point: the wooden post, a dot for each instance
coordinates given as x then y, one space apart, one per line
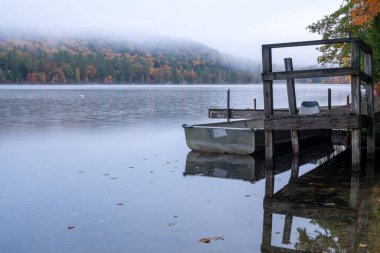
329 98
228 106
295 168
370 109
348 99
254 104
269 135
266 242
292 104
355 106
287 229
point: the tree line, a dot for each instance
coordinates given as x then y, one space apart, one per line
80 61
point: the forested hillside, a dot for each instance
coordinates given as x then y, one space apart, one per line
99 61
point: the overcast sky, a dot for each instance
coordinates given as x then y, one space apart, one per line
236 27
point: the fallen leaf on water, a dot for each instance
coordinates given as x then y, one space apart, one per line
363 245
171 224
113 178
120 204
205 240
70 227
106 174
212 238
247 195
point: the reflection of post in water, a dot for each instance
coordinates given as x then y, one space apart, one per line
341 211
354 189
287 229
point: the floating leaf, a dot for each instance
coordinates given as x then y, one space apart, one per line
363 245
205 240
70 227
212 238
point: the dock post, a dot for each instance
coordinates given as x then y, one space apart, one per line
269 135
370 109
254 104
228 106
329 98
355 106
295 168
348 99
292 101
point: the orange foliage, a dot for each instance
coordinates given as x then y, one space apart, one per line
364 11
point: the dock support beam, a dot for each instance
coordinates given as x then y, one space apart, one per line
269 135
292 101
355 107
370 109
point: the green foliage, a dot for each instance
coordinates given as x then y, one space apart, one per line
339 24
101 62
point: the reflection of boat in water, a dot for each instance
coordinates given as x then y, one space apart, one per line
237 137
222 166
245 167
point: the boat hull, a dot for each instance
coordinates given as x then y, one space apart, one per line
237 137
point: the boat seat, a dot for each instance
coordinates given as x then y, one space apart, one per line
309 107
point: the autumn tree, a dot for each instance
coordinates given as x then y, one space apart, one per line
354 18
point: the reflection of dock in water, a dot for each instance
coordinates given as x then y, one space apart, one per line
324 210
245 167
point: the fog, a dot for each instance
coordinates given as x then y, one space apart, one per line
237 27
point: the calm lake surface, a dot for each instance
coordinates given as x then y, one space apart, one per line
106 169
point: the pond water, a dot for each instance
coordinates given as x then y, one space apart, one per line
106 169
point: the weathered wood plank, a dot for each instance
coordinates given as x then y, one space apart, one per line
370 109
243 113
290 88
268 85
292 102
355 106
310 43
310 73
363 45
219 113
332 121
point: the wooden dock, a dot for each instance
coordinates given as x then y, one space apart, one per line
362 112
352 118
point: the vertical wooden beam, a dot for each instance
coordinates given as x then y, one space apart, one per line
287 229
268 85
348 99
329 98
269 135
228 106
254 104
370 109
266 243
295 168
355 106
292 101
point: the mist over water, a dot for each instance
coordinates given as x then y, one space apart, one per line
236 28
